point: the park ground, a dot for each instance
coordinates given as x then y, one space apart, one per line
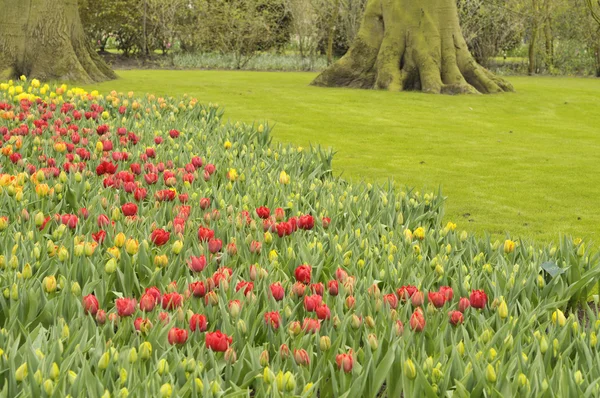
525 163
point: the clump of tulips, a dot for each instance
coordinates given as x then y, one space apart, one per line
148 248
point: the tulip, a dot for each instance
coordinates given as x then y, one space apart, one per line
409 369
417 320
478 299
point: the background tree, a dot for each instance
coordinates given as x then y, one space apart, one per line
45 39
411 45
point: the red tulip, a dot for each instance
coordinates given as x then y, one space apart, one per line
272 319
218 341
456 317
215 245
392 300
333 287
198 289
263 212
303 273
205 234
417 299
90 304
478 299
326 221
311 325
245 286
298 289
198 322
129 209
447 292
323 312
142 324
406 292
437 299
197 264
170 301
463 304
101 317
417 320
204 203
306 222
147 302
345 361
177 336
125 306
301 357
159 237
277 291
279 214
312 302
341 275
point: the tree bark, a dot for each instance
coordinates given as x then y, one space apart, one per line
45 39
532 43
411 45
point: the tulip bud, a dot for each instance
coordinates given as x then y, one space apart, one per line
163 367
409 369
578 377
123 392
543 345
75 289
268 375
503 309
49 284
120 240
166 390
177 247
145 350
21 372
460 348
48 387
133 355
72 376
372 340
325 343
104 361
264 358
558 317
490 374
111 266
54 371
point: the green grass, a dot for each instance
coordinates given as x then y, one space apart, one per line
525 163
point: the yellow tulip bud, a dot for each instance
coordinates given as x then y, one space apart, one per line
21 372
166 390
104 361
145 350
409 369
490 374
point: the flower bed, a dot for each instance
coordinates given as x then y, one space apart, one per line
149 248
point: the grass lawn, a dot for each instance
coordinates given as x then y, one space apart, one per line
527 163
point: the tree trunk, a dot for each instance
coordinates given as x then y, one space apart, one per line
598 60
44 39
532 42
411 45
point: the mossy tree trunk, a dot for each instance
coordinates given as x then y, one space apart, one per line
45 39
411 45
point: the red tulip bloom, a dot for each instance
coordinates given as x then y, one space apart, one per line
447 292
198 289
302 273
198 322
177 336
101 317
341 275
345 361
125 306
272 319
333 287
277 291
391 299
215 245
417 320
263 212
204 203
90 304
99 236
306 222
142 324
478 299
417 299
170 301
197 264
205 234
406 292
103 220
311 325
279 214
298 289
301 357
312 302
323 312
129 209
245 286
456 317
437 299
218 341
463 304
147 302
159 237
